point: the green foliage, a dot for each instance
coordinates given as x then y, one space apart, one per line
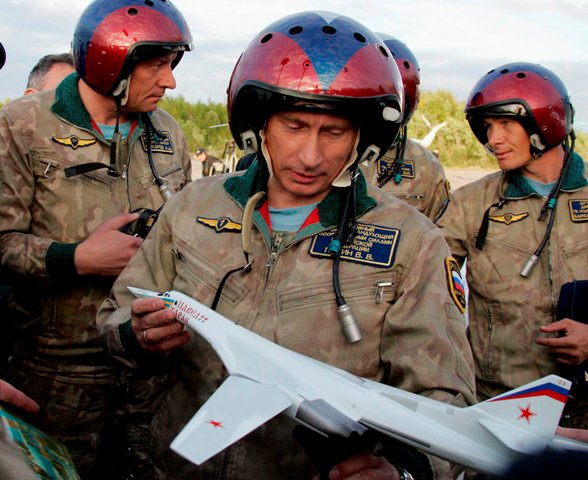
196 120
582 145
455 143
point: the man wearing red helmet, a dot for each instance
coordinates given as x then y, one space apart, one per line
76 162
408 170
292 245
523 231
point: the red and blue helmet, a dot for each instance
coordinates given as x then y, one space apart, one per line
409 71
111 36
322 59
530 93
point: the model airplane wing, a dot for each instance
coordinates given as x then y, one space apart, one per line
267 379
236 408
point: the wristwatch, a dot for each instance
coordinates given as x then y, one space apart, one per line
404 474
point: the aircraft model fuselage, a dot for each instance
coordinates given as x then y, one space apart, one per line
266 379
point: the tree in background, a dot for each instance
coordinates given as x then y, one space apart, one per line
196 119
456 145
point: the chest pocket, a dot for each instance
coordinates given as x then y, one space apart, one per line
374 291
199 276
172 175
49 166
415 199
577 252
307 320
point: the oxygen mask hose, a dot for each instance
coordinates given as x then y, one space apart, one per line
550 206
348 322
149 130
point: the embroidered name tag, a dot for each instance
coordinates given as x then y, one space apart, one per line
372 245
220 224
509 218
74 142
406 169
579 210
455 283
158 144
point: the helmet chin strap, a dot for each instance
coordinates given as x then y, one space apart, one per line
537 146
344 177
266 155
122 90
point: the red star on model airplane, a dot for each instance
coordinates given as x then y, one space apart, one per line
216 424
526 413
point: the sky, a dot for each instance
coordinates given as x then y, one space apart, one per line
455 41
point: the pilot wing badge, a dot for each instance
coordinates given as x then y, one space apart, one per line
222 224
265 379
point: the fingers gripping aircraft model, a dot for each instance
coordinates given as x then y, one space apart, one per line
266 379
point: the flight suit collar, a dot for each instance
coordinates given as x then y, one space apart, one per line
69 106
254 180
68 103
518 187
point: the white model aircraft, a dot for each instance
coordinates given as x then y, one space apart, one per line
266 379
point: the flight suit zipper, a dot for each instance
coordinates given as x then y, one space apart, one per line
276 244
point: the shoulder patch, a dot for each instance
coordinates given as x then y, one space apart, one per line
73 141
509 218
579 210
158 144
220 224
372 245
455 283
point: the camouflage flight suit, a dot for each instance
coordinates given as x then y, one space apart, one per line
505 309
414 334
422 179
59 360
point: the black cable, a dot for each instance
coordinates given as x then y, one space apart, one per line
343 235
551 204
115 141
338 242
148 128
393 170
483 230
221 286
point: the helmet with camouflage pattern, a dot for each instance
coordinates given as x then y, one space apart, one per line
409 71
317 60
530 93
111 36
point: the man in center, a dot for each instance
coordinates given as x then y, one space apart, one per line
301 251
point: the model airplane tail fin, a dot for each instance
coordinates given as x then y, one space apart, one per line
535 408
